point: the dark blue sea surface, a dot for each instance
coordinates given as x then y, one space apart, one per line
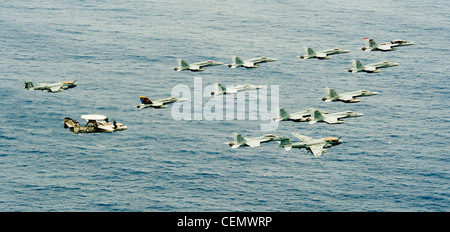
394 158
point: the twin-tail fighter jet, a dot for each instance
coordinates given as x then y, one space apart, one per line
316 146
183 65
310 53
220 89
370 68
371 45
331 118
302 116
239 140
348 97
145 102
95 123
250 63
53 87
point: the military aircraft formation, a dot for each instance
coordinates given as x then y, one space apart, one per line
313 116
99 123
318 146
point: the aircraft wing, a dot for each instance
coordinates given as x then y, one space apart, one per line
248 64
331 119
107 128
302 137
195 67
158 103
384 47
253 143
346 97
317 150
55 89
321 55
371 67
298 115
236 146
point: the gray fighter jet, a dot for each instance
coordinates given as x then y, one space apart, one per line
348 97
183 65
316 146
371 45
302 116
145 102
331 118
95 123
239 140
53 87
220 89
251 63
370 68
310 53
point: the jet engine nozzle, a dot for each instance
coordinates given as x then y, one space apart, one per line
231 143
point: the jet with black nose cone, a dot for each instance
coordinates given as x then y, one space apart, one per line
183 65
316 146
95 123
239 140
250 63
370 68
324 54
52 87
347 97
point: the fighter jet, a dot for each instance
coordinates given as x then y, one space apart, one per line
331 118
316 146
239 140
348 97
95 123
370 68
371 45
251 63
220 89
158 103
302 116
182 65
53 87
310 53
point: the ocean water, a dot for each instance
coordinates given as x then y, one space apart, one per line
395 158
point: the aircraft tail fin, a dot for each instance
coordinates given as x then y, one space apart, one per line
370 43
237 60
145 100
331 93
310 52
357 65
316 116
238 138
219 88
182 63
283 114
286 143
29 85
